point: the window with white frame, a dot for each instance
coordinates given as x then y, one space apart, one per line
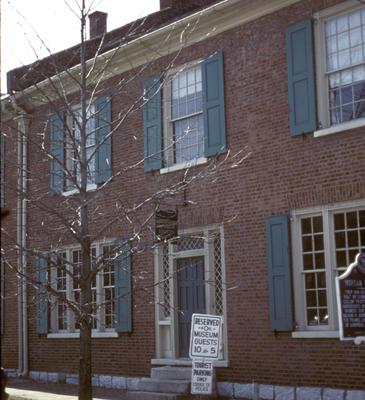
184 132
66 147
65 276
326 240
341 64
73 148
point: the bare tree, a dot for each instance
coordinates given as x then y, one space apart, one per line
83 216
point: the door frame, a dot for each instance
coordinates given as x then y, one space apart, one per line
166 326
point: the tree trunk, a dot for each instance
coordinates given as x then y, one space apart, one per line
85 388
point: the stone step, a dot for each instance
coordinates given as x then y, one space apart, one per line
164 386
174 373
155 396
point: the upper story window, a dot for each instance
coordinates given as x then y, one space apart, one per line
336 101
184 117
74 147
186 122
345 62
340 66
65 147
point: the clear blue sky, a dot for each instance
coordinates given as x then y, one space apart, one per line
26 23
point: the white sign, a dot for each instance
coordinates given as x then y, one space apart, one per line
202 377
205 336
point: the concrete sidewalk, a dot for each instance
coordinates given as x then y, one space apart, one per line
26 389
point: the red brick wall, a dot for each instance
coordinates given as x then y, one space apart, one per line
281 173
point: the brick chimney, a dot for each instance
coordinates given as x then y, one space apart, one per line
97 21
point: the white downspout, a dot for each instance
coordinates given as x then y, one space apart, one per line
23 126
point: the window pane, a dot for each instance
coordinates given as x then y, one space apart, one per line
351 219
353 238
362 218
318 242
321 280
323 316
340 240
306 225
322 299
189 138
307 261
312 317
317 224
307 243
311 299
319 257
310 282
339 221
341 261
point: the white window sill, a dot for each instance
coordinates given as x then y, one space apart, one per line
346 126
187 164
89 188
76 335
315 334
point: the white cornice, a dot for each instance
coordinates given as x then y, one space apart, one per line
168 39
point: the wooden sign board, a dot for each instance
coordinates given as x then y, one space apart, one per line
166 224
350 288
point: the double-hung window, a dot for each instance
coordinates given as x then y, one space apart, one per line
325 242
65 147
340 60
184 116
73 149
185 124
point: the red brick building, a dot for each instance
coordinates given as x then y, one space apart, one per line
261 107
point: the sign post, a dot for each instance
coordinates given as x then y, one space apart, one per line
205 345
350 290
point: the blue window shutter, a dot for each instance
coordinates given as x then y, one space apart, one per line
57 152
42 298
213 105
152 124
302 101
123 289
103 156
280 294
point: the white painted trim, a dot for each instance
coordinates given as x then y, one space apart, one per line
187 164
90 187
76 335
346 126
184 32
315 334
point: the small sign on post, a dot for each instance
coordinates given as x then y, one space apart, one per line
202 377
350 288
205 345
